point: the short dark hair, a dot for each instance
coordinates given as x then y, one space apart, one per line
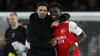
55 4
42 4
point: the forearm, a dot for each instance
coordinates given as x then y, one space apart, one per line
81 37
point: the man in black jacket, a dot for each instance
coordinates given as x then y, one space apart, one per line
40 33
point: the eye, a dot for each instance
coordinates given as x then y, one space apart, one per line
45 10
40 9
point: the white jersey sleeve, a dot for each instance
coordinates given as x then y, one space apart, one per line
74 28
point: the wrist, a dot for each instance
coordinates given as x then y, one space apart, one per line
76 43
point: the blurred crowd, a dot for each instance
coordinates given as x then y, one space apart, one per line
68 5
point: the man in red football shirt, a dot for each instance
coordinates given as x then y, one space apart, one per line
67 34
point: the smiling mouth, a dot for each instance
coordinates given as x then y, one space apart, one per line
53 16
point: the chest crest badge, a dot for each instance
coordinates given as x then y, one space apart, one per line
62 30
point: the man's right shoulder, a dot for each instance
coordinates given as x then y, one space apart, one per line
8 29
33 15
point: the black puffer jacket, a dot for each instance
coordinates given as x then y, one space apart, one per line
39 35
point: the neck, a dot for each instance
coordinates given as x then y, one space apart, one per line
15 26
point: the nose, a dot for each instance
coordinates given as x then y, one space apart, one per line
42 11
52 13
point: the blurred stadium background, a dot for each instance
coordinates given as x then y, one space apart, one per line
68 5
84 12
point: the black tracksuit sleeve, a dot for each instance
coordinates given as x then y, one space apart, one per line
6 35
33 35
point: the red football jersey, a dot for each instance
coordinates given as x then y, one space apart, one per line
67 34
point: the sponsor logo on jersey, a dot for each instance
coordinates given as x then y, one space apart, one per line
61 39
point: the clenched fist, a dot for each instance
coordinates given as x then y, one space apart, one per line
54 24
54 42
3 41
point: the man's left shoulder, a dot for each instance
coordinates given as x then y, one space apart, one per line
22 27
